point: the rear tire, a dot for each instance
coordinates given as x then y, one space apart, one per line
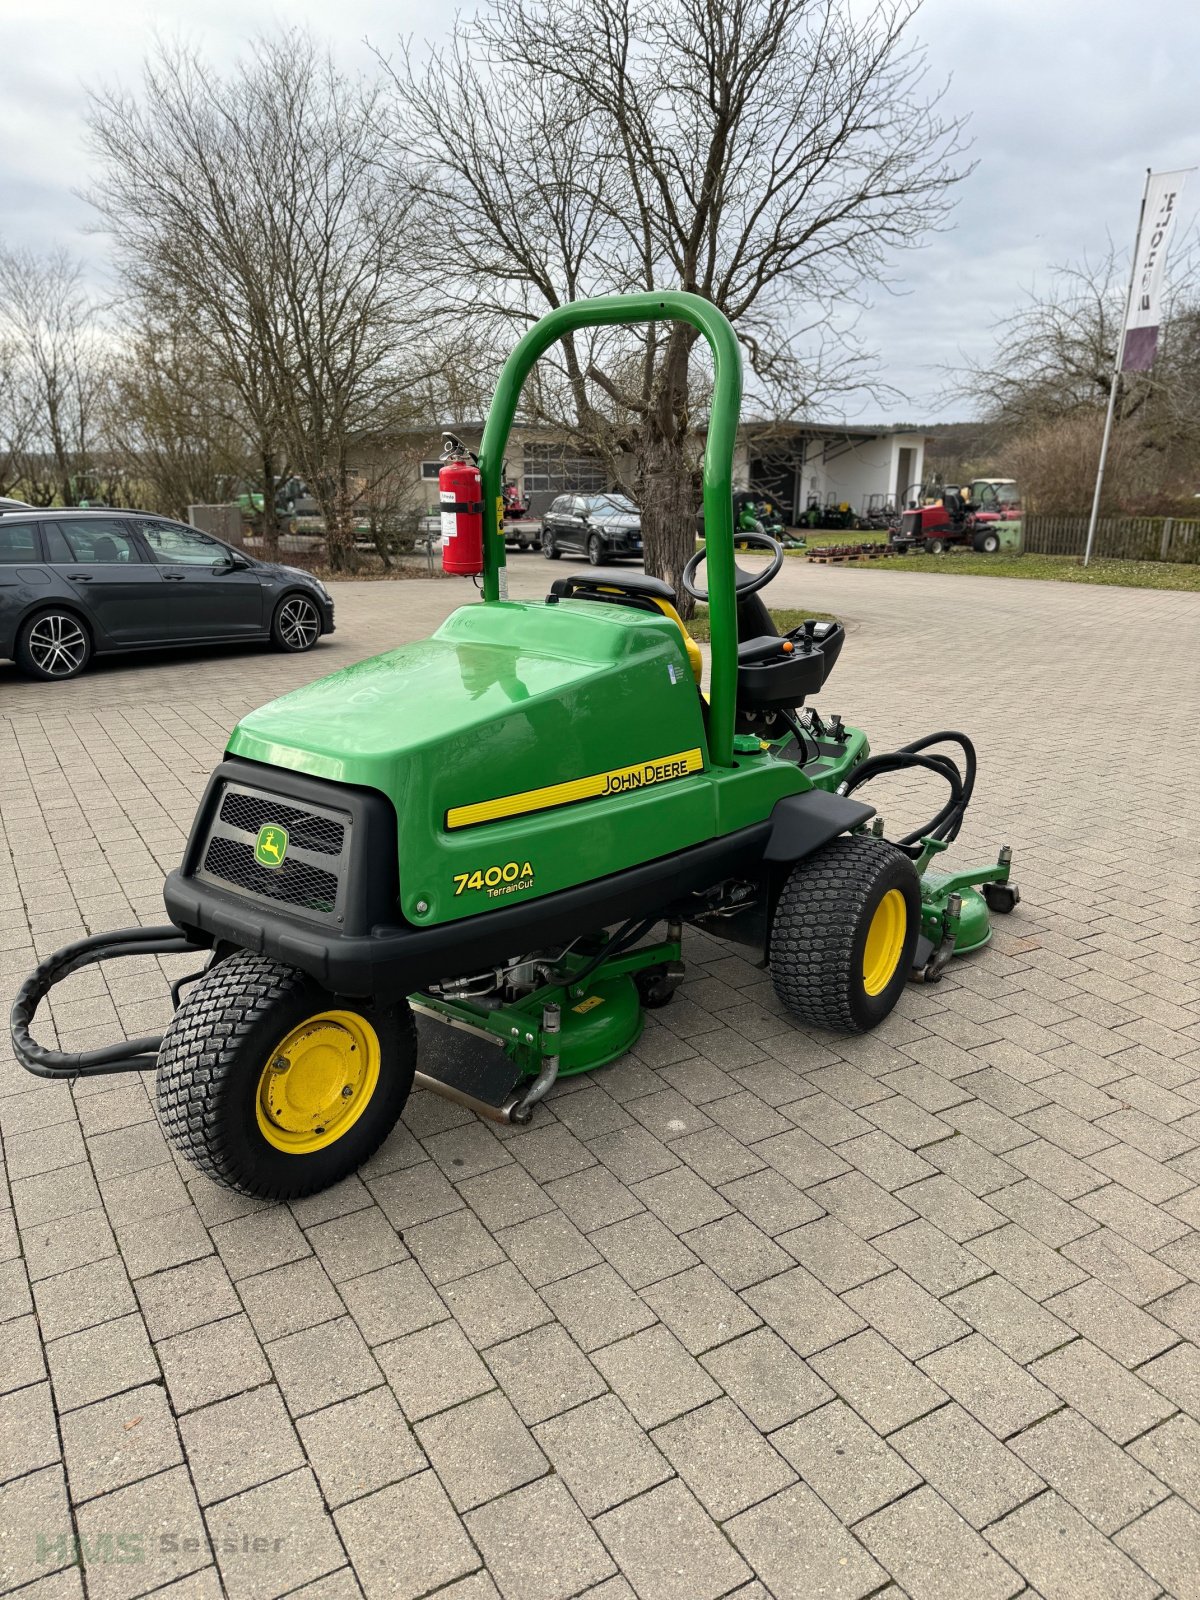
549 549
53 645
844 934
213 1086
987 543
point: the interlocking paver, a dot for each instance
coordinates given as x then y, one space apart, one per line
1095 1475
990 1385
669 1548
183 1297
802 1311
1117 1401
1064 1556
117 1441
853 1470
239 1443
1172 1452
935 1553
907 1315
655 1376
602 1454
155 1523
642 1248
28 1431
1166 1541
885 1388
1003 1181
544 1373
966 1464
292 1538
393 1301
406 1539
597 1307
1108 1320
433 1368
799 1549
767 1378
699 1309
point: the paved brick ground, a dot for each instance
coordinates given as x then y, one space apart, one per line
755 1311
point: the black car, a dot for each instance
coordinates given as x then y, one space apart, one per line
74 584
603 527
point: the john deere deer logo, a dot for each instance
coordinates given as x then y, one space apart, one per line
271 845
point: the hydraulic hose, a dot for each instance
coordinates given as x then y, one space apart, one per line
946 823
131 1055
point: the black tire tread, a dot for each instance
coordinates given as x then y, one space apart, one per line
817 918
199 1046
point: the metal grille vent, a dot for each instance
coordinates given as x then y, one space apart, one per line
311 876
307 829
293 884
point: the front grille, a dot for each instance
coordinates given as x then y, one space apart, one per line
295 883
307 829
311 877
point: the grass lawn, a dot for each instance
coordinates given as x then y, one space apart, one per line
1061 569
786 618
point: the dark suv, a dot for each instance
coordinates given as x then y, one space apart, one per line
74 584
602 527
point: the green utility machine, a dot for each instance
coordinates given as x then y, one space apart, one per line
468 863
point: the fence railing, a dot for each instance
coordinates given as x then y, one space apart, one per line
1126 538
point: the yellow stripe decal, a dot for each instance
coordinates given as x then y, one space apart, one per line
617 781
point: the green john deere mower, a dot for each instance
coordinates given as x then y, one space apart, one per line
468 863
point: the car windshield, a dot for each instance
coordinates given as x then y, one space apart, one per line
611 505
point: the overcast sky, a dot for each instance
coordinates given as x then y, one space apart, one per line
1070 101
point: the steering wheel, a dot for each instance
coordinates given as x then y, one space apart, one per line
746 582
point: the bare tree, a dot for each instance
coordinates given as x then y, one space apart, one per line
49 327
15 416
1043 389
770 155
257 206
172 420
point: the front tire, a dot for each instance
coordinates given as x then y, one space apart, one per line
595 550
53 645
987 543
935 547
844 934
274 1087
296 625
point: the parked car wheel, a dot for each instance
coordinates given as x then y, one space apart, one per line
595 550
53 644
296 625
549 549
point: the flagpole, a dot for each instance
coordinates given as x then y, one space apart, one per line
1115 385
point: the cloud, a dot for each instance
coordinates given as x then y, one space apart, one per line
1068 101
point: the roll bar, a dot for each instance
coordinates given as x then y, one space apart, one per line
668 305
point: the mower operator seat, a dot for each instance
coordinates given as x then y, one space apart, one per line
637 589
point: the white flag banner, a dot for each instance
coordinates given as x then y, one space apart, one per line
1144 314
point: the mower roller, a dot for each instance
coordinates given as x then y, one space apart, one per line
468 863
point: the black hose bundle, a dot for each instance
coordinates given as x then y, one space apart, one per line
130 1055
948 821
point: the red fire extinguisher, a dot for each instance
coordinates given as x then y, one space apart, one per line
460 491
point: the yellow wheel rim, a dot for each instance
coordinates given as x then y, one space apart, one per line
317 1082
885 942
